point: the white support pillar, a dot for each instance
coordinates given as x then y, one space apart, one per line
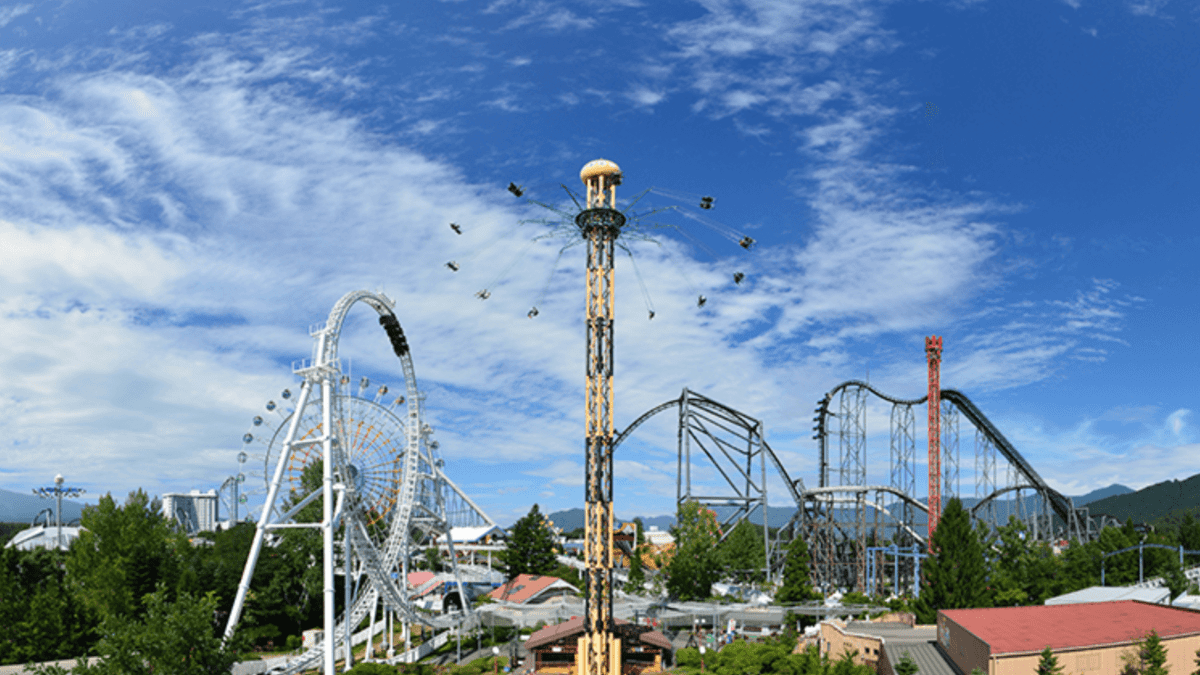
327 524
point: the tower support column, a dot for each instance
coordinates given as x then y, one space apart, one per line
600 224
600 228
933 354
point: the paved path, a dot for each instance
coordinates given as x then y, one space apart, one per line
20 668
244 668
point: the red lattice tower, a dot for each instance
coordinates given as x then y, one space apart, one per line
933 353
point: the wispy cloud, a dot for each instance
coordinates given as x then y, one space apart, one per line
1148 8
7 14
539 13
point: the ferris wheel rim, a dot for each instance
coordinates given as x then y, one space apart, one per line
365 458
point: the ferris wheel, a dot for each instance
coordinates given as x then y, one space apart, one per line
371 429
391 493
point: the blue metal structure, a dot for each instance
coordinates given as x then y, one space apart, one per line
898 552
1141 561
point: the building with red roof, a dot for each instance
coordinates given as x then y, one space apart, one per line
532 588
1088 638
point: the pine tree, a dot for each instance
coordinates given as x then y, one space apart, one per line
1153 655
742 553
1176 581
1048 665
955 576
797 582
637 576
1197 670
906 666
530 549
695 565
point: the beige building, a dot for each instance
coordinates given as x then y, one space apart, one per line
1087 638
881 643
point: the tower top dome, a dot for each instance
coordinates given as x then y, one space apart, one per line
599 167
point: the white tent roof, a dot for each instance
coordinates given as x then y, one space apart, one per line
469 535
43 537
1110 593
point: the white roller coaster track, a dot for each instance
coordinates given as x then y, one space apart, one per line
421 478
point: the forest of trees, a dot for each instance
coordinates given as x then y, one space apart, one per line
130 573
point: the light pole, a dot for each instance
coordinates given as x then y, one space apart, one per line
495 659
57 491
702 658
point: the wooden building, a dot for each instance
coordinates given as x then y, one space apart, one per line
554 649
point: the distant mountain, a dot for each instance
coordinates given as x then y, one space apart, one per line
572 519
1147 505
1096 495
568 520
22 508
1157 504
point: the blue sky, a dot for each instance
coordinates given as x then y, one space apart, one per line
186 187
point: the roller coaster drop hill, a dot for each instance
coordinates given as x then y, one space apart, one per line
844 522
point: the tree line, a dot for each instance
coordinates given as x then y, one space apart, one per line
133 584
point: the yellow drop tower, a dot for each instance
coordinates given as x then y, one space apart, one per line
600 223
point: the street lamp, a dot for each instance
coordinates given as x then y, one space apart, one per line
702 650
495 659
57 491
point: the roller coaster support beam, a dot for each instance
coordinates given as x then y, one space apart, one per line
933 353
1139 548
898 552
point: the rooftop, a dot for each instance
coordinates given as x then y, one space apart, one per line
574 626
1111 593
929 659
1011 630
525 587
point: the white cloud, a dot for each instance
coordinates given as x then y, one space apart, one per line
539 13
646 97
7 14
1148 7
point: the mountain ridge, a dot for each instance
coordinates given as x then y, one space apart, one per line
778 516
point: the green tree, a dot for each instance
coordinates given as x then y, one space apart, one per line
1024 571
906 666
641 531
1197 670
121 555
1176 581
1188 534
531 547
1153 655
43 617
695 565
955 576
741 554
433 558
1080 567
637 575
797 579
1048 664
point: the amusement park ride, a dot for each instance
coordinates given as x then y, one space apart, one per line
378 459
383 485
